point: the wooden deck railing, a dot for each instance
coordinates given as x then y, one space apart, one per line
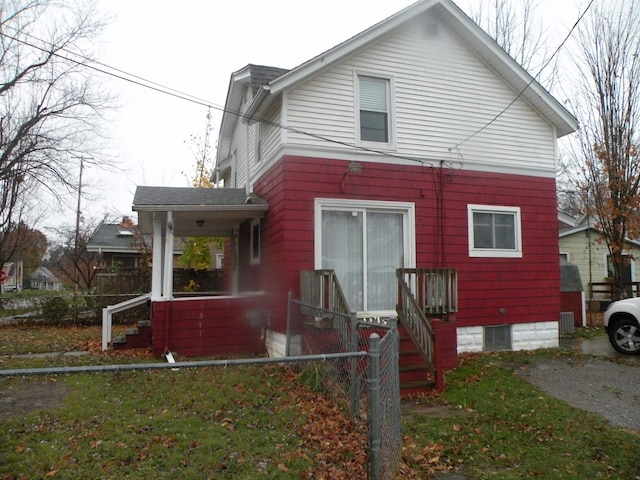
435 289
606 290
321 289
425 292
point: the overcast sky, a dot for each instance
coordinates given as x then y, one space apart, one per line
194 48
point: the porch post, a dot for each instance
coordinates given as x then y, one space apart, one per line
158 255
167 269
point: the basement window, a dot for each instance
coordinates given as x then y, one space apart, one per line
497 338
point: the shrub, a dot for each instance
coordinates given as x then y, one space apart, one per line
55 309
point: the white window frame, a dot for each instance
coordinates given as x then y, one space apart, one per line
409 220
391 108
495 252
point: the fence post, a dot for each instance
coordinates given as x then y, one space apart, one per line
374 407
355 378
287 350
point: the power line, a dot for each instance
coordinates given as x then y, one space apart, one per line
145 83
533 79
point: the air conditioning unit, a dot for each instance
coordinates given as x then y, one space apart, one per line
566 322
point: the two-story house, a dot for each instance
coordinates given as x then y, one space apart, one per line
416 143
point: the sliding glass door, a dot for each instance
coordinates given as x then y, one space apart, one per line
365 242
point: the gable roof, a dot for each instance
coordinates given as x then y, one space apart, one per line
257 76
567 232
476 39
43 274
113 237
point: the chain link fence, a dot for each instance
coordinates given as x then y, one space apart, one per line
353 362
366 387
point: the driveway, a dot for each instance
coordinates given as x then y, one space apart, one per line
606 383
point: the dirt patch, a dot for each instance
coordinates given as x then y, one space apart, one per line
411 408
28 397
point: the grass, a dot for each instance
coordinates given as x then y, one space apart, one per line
25 338
239 422
502 427
206 423
265 422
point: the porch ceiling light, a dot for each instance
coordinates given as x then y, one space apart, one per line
354 167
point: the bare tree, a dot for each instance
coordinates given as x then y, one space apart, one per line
606 153
71 261
49 104
517 28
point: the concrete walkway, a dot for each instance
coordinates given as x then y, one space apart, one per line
51 354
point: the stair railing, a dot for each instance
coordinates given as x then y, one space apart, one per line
424 293
322 291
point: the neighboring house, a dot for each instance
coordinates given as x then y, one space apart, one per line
416 143
118 245
43 279
583 244
11 276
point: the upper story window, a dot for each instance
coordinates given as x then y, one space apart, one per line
494 231
374 106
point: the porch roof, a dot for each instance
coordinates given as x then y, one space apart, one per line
197 212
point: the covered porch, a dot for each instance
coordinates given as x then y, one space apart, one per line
168 212
198 325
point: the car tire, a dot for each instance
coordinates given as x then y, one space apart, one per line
624 336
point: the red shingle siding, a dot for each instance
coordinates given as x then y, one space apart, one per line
212 326
526 288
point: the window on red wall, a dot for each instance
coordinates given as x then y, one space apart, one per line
494 231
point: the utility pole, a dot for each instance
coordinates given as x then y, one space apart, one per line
78 227
77 241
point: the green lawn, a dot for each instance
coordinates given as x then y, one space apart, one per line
263 422
501 427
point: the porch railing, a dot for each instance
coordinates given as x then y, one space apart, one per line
321 289
606 290
435 289
425 292
416 323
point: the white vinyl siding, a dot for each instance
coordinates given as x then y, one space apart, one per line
443 94
270 134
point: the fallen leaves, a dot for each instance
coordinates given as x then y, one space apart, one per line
428 460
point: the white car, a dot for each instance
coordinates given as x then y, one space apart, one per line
622 323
